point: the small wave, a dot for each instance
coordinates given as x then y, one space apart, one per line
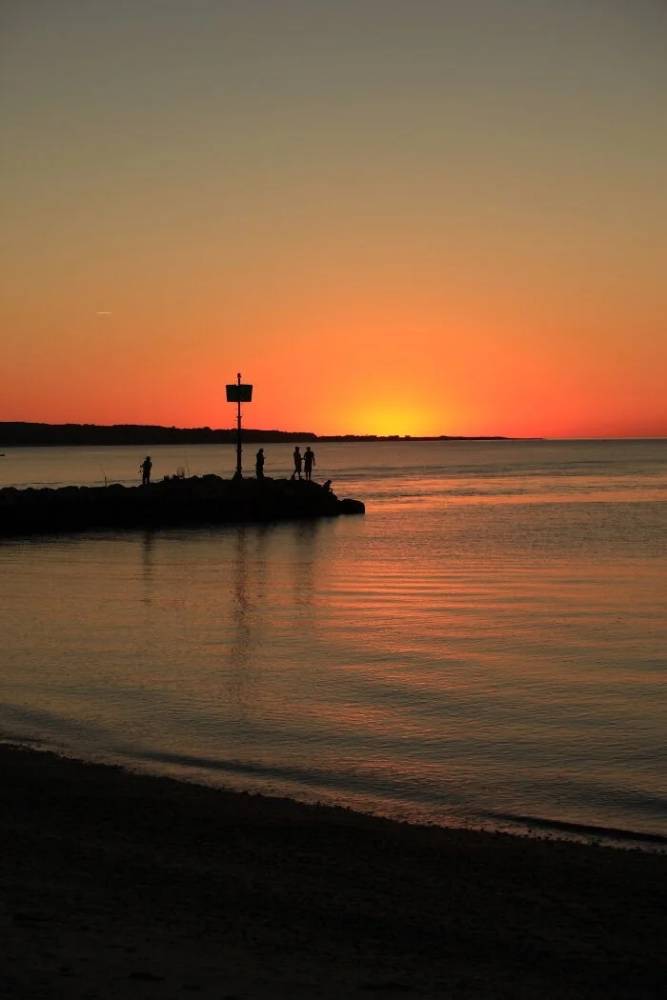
339 782
581 829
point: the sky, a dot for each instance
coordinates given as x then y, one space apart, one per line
391 216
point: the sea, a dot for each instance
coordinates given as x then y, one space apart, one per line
486 647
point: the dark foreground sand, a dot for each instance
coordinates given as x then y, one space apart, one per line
114 885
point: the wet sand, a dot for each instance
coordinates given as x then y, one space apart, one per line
119 885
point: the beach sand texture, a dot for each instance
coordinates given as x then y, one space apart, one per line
124 885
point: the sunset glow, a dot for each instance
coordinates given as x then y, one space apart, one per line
392 217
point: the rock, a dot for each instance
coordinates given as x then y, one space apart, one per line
192 501
348 506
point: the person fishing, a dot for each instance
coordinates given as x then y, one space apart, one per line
308 462
259 464
145 470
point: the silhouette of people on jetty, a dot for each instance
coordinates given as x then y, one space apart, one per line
145 469
308 462
298 459
259 464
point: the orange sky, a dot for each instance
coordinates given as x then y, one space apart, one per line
392 217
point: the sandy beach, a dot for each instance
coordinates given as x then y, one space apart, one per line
119 885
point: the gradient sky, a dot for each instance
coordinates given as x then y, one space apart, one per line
393 216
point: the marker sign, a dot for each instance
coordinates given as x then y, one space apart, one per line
239 393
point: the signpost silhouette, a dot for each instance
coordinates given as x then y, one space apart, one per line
239 392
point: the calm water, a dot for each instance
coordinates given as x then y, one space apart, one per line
487 645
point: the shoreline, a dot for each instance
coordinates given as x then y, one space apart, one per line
516 825
118 884
37 434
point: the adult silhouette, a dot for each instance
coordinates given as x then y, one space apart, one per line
298 459
308 462
259 464
145 469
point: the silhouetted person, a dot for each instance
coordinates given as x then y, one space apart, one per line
259 464
308 462
327 486
298 458
145 469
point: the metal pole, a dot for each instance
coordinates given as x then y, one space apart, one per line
239 473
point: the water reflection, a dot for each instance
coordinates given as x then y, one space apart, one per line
243 638
245 614
305 537
148 565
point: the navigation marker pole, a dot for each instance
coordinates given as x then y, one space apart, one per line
238 393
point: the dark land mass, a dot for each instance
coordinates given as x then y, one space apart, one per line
197 500
28 434
114 885
23 434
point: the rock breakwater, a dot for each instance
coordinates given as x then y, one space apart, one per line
197 500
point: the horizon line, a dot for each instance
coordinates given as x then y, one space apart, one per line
350 436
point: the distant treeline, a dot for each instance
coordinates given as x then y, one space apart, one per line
18 434
132 434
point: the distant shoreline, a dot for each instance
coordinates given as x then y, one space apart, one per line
24 434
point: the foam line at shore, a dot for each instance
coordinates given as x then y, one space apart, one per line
580 829
520 824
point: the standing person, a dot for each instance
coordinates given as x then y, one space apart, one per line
298 458
259 464
308 462
145 469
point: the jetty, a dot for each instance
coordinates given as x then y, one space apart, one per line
186 501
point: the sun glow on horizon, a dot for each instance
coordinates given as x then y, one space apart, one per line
386 418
